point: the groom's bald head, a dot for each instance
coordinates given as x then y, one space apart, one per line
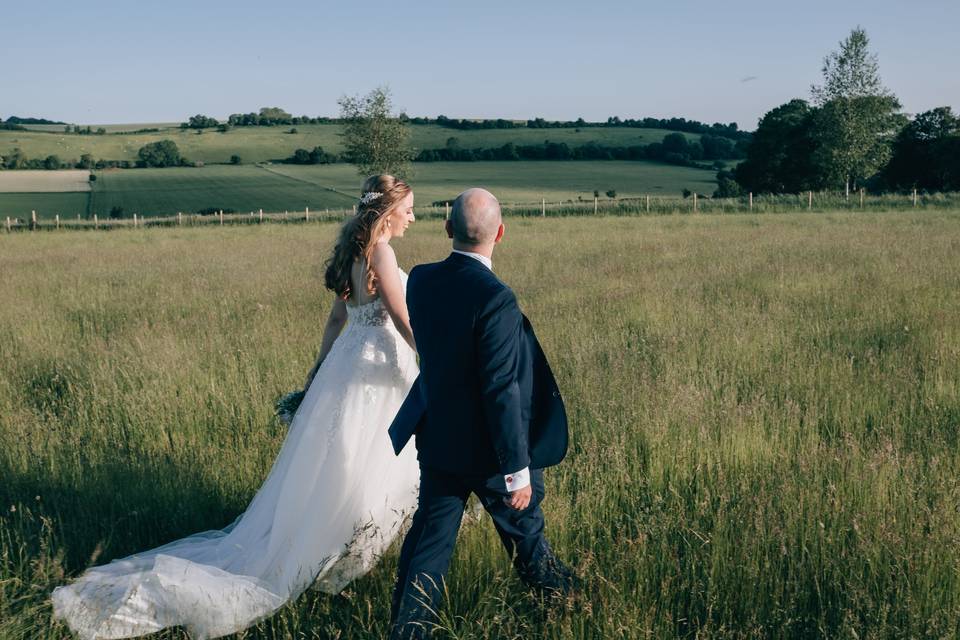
475 218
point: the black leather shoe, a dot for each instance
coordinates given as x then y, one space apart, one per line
550 576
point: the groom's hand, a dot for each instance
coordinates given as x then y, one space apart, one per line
519 499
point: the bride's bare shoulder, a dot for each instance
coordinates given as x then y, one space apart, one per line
383 257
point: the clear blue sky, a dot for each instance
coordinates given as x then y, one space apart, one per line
97 62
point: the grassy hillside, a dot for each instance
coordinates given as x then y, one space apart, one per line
291 187
262 144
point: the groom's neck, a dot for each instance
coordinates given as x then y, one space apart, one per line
485 250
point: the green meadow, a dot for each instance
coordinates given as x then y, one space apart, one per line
265 144
764 415
280 187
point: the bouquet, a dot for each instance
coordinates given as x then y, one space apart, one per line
287 406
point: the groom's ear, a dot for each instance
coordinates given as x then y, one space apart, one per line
499 234
449 228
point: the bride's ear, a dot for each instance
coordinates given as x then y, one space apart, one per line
449 227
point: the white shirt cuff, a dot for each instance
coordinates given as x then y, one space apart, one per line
518 480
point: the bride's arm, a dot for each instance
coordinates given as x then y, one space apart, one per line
335 322
390 288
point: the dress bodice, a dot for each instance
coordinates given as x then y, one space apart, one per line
373 313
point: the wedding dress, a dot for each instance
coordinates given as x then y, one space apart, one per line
334 500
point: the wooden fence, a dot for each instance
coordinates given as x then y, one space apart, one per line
809 201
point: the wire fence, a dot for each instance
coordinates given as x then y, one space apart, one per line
810 201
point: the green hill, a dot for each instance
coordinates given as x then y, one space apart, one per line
264 144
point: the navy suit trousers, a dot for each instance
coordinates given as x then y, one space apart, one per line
427 549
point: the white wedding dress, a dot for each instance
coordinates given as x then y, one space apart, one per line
334 500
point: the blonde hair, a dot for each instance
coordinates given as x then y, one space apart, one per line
360 233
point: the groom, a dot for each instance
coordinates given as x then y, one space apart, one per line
487 414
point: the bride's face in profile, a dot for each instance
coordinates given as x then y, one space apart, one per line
401 217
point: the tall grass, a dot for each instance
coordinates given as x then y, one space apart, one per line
765 413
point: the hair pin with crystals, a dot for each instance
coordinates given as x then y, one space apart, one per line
369 197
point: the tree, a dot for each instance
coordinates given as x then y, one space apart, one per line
116 212
275 115
51 162
200 121
160 154
86 161
375 141
779 158
727 186
857 116
926 153
235 159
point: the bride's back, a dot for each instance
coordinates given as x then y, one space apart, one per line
358 284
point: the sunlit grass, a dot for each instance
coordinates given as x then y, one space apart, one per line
764 413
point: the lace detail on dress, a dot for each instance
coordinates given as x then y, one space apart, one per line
372 314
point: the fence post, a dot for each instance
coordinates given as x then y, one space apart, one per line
861 197
446 208
96 223
134 221
306 214
221 217
809 200
914 196
595 205
33 220
543 207
648 204
179 218
261 215
57 218
751 200
694 201
8 223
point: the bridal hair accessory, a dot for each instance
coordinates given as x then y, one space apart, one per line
369 197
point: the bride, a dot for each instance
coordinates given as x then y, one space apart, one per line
336 496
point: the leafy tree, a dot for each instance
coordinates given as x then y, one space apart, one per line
116 212
857 115
160 154
301 156
727 186
51 162
200 121
86 161
926 153
235 159
779 158
275 115
612 193
376 142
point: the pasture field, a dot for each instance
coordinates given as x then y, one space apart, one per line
44 181
110 128
764 413
291 187
265 144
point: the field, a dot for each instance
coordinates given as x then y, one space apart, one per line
265 144
44 181
764 410
290 187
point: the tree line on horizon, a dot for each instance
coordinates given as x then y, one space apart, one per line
851 136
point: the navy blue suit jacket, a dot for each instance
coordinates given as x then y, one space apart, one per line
486 400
